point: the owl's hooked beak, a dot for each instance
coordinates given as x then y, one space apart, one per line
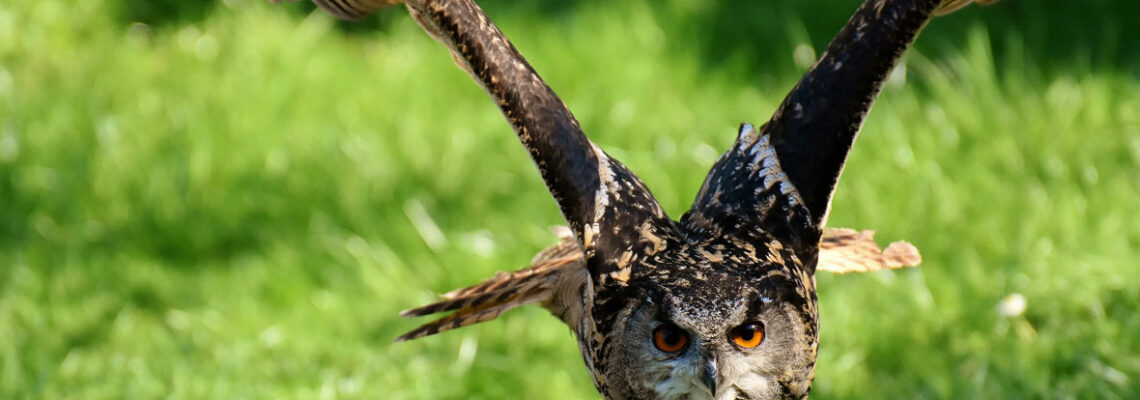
708 375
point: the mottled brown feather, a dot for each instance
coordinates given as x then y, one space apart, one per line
841 251
845 250
538 283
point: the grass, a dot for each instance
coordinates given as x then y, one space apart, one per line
238 207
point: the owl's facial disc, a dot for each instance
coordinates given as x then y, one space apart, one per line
750 342
720 324
693 358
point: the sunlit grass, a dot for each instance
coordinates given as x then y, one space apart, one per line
238 208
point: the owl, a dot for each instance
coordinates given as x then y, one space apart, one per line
720 303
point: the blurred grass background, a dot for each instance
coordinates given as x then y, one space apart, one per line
234 199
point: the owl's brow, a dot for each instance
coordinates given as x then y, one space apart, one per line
759 302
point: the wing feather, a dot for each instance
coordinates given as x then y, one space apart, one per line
545 281
844 251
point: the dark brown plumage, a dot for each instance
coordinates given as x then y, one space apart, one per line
654 302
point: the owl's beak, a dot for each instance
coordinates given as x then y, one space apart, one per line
708 375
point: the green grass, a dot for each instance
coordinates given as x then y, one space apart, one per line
238 207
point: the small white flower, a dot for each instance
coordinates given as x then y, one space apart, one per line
1012 305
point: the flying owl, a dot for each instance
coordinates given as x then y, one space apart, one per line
720 303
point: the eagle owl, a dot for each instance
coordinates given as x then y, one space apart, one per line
720 303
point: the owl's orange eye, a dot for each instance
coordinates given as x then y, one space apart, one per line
669 338
749 335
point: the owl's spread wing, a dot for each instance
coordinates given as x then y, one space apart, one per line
780 178
608 208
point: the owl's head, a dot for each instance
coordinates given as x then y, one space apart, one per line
718 325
